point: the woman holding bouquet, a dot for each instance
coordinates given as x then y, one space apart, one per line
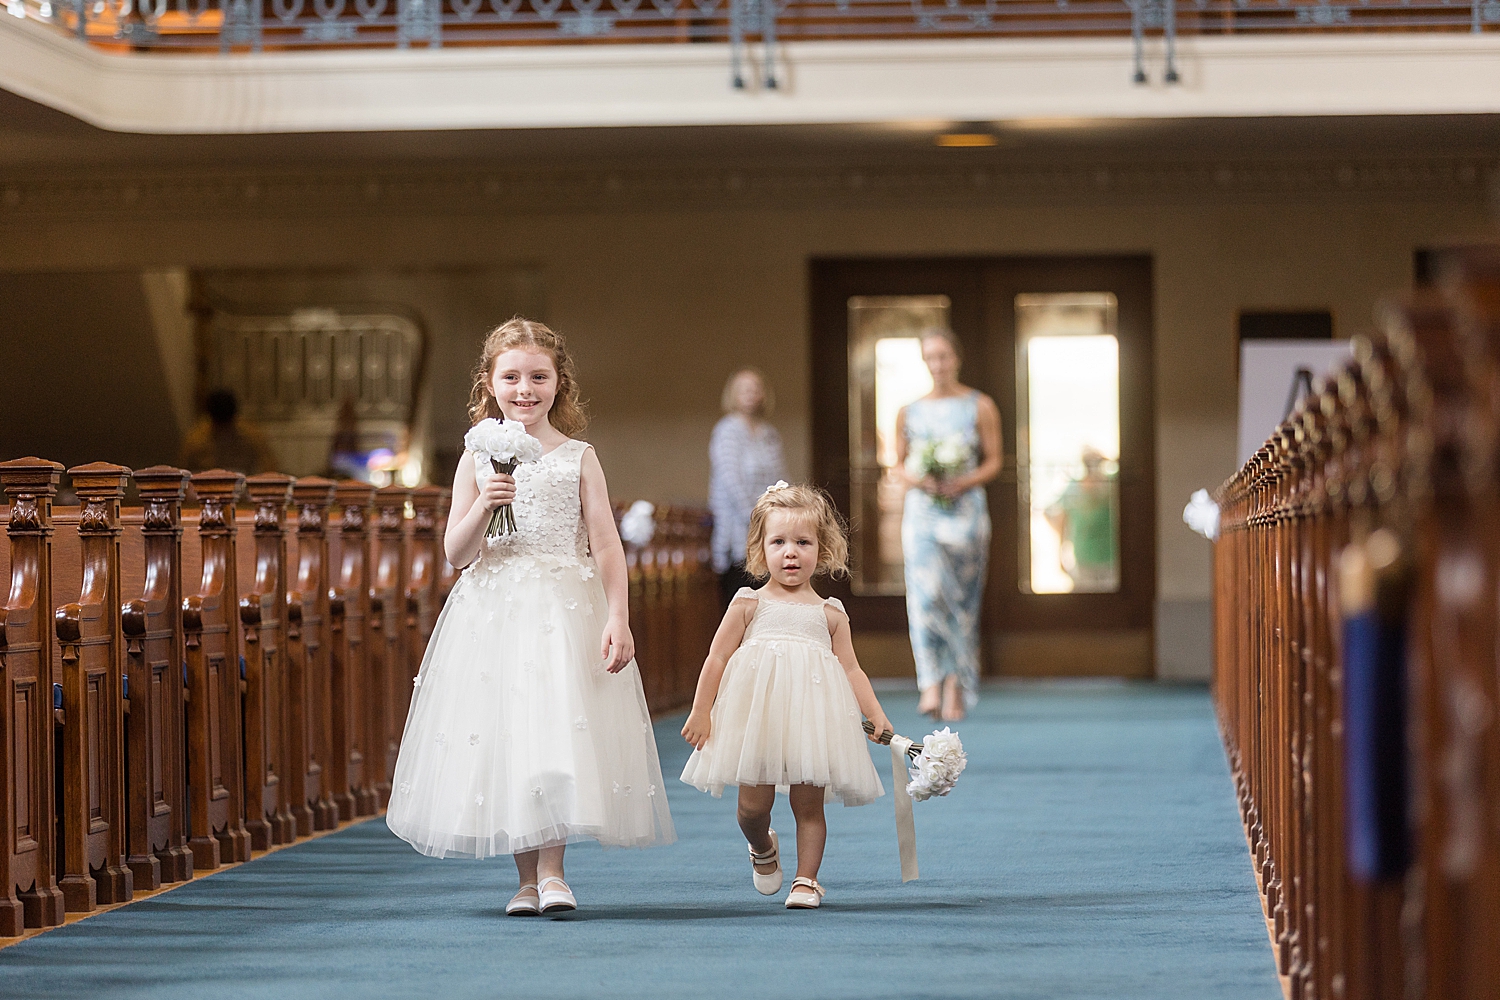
528 727
948 447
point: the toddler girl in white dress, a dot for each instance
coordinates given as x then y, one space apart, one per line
780 696
528 728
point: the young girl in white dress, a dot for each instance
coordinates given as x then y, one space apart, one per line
528 728
780 696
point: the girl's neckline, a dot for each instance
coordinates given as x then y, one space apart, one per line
776 600
558 447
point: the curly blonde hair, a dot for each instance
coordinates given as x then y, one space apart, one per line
811 502
567 414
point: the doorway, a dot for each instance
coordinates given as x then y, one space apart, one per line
1063 346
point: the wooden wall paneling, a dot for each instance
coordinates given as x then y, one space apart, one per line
349 618
29 894
388 682
215 769
262 582
308 645
90 653
151 618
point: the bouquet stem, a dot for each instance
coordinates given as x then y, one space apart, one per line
502 519
885 740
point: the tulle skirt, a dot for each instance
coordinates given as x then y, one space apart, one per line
517 737
786 715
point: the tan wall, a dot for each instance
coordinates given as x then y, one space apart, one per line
661 304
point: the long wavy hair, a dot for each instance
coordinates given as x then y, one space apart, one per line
567 413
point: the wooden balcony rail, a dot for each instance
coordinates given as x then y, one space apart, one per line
1357 622
227 666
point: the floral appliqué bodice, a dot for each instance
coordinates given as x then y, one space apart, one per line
548 509
785 620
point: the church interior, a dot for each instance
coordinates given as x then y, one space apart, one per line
242 293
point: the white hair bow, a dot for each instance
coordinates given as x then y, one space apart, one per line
780 484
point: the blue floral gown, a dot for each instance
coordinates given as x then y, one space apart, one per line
946 550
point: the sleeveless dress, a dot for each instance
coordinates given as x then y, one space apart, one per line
946 550
786 714
517 737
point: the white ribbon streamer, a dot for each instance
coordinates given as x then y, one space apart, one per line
906 827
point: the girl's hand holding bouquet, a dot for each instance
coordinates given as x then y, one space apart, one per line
504 444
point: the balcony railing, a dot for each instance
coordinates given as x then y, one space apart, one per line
266 25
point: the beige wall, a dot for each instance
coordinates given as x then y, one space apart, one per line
661 300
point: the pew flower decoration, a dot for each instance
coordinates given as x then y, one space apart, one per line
936 765
504 444
638 524
940 458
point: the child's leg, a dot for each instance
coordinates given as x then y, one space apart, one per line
755 817
812 829
545 862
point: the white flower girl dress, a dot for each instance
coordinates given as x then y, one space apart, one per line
786 713
517 737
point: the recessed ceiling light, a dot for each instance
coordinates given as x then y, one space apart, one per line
966 140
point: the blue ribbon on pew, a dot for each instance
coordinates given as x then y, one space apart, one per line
242 668
57 696
1375 823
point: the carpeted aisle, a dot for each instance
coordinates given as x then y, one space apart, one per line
1092 850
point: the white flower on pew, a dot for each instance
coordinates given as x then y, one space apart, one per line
936 769
1202 515
638 524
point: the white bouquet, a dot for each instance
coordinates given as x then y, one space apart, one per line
939 458
503 444
936 766
638 525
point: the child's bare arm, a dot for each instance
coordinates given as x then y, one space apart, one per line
617 645
726 640
864 693
469 514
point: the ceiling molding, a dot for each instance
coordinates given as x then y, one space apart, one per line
981 79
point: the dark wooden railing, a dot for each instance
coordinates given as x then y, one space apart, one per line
1357 610
227 667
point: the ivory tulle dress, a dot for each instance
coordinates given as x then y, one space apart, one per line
517 737
786 714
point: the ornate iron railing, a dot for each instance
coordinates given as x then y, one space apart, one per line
260 25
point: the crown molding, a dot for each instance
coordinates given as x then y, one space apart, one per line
977 79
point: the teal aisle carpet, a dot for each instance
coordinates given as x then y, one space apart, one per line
1092 850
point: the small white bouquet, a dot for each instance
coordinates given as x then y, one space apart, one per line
940 458
503 444
936 766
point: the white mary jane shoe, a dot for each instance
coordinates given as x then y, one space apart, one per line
557 900
522 906
767 885
808 898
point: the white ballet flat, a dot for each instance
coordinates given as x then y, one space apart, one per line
557 900
767 885
522 906
801 898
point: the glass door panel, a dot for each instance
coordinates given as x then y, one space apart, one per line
1068 442
885 373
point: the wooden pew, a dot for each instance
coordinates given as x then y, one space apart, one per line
212 639
262 582
308 644
348 664
387 681
29 894
86 591
151 617
422 602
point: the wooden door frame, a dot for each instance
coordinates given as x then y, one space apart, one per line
981 292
